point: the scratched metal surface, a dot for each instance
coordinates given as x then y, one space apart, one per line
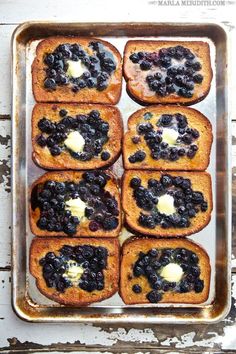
19 336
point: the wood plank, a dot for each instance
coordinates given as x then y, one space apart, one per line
83 11
24 337
5 195
5 60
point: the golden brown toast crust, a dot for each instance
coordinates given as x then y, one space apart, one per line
75 296
110 95
130 253
42 155
83 228
201 181
135 77
195 119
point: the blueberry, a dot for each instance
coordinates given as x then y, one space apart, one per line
145 65
60 187
152 183
146 221
166 180
50 256
139 156
138 271
184 287
104 127
50 84
166 119
199 286
164 145
198 78
70 229
134 58
194 258
196 66
153 252
135 182
184 222
63 112
42 223
49 59
105 155
181 152
165 61
161 91
204 206
197 198
195 133
110 223
41 140
195 271
136 139
136 288
55 151
145 128
66 250
46 126
185 93
154 296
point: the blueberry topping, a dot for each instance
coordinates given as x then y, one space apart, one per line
151 263
187 201
55 268
186 144
91 127
51 199
100 67
179 78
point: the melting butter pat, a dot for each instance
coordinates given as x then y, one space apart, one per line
169 136
172 272
166 204
73 272
75 68
75 141
76 207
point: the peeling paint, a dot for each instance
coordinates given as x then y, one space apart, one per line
5 140
5 175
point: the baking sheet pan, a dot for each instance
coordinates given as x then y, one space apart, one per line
215 238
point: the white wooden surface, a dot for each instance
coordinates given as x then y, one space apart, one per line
24 337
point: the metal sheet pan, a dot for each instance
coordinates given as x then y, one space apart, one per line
28 303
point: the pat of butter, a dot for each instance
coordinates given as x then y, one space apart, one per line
169 136
75 141
75 68
74 271
76 207
172 272
166 204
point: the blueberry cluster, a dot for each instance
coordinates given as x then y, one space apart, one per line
91 126
177 70
150 265
51 197
187 202
99 67
92 259
160 149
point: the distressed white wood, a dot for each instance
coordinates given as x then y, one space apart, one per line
5 195
105 10
5 60
84 334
